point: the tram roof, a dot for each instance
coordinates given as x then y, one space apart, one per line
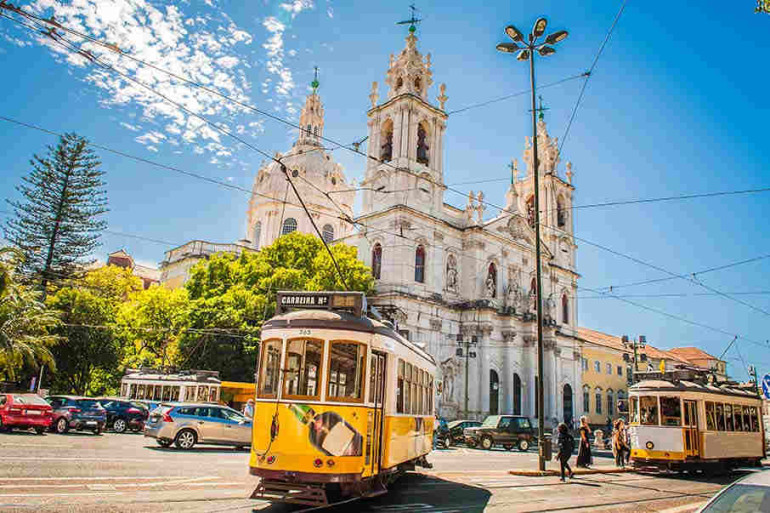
659 385
336 320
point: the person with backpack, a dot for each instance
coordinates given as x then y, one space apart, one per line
566 444
619 443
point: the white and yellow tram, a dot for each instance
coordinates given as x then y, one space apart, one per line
678 421
344 404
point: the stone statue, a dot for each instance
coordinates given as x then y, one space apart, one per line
569 172
374 95
480 207
442 97
451 274
491 285
470 207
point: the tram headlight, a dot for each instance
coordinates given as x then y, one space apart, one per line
649 445
318 463
270 460
330 463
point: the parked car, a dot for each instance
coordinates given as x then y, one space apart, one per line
441 433
507 430
24 411
749 494
456 429
78 413
148 405
185 425
123 415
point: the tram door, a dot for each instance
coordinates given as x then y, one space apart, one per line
377 384
691 438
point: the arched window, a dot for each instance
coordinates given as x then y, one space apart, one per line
419 264
417 84
386 148
598 400
494 392
328 233
567 405
257 233
289 225
315 131
309 130
610 403
422 144
516 394
586 398
491 282
531 211
561 213
565 309
376 261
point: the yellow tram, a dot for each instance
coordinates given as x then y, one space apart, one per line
344 404
680 421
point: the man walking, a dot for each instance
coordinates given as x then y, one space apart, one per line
566 445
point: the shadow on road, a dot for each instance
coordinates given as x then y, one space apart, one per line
197 450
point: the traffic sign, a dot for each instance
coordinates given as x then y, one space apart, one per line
766 386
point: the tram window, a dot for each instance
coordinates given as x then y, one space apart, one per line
430 396
746 419
415 390
420 392
711 418
729 425
753 421
303 368
633 412
271 364
738 416
346 371
400 387
648 408
372 377
670 411
720 417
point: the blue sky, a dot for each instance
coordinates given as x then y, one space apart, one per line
677 105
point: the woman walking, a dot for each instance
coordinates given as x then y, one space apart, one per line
619 445
584 451
566 445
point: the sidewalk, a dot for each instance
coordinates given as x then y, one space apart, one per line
602 465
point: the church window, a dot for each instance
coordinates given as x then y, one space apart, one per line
289 226
309 130
377 261
417 84
531 211
586 398
399 83
257 233
492 280
315 131
419 264
386 149
422 144
328 233
598 400
565 309
561 213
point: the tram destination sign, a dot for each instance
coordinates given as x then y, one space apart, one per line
354 302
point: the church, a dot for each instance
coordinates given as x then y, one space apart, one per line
453 281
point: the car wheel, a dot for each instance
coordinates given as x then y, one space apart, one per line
164 443
62 426
40 430
185 439
120 425
486 443
447 442
523 445
507 447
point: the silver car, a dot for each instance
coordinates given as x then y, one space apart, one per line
748 495
185 425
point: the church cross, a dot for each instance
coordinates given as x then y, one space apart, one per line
314 84
412 21
541 109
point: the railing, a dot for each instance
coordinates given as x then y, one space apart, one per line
200 248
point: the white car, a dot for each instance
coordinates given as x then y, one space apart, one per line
748 495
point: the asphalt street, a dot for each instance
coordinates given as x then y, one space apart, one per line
109 472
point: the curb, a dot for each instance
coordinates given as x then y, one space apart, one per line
577 471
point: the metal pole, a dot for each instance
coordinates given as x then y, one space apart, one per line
538 275
40 378
466 347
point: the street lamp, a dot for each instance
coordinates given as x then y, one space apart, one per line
525 51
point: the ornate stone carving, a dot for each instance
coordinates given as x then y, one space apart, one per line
528 340
549 344
491 281
374 95
509 335
485 328
452 278
437 235
442 97
435 324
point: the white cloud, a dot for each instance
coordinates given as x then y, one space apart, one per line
297 6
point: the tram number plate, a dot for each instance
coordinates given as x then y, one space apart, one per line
305 333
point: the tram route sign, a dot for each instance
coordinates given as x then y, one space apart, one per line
766 386
354 302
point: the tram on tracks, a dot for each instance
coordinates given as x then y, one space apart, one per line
344 404
681 420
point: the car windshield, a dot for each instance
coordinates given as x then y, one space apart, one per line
29 399
89 403
491 421
741 498
137 404
455 423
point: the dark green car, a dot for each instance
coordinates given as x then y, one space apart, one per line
507 430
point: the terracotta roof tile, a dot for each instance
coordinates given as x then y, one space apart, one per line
690 353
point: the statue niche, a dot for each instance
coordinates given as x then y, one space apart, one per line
451 274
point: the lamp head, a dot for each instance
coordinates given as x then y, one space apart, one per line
523 55
508 47
556 37
539 28
514 33
546 50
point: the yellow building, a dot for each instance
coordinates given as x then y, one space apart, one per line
605 366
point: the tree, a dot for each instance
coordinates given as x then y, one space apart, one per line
25 323
232 295
90 349
57 223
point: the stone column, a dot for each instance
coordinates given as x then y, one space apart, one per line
506 380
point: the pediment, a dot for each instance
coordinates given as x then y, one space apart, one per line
516 227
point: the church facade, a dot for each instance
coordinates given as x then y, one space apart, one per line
447 276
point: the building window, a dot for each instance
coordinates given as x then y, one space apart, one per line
598 400
289 225
586 399
386 148
584 364
609 368
257 233
422 145
610 403
419 264
561 213
516 394
620 370
598 366
377 261
328 233
565 309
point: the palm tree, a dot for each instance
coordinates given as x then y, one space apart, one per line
25 322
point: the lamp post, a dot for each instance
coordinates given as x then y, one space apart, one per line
526 51
465 350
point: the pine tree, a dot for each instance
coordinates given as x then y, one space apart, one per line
57 223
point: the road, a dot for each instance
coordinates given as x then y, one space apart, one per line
110 472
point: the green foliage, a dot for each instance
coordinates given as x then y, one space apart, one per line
57 222
25 323
89 350
232 296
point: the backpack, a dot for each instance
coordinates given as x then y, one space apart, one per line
569 444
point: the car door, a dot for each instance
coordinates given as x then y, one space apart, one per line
210 423
504 431
236 427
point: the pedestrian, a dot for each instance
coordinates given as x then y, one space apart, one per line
248 408
619 446
566 445
584 450
627 440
